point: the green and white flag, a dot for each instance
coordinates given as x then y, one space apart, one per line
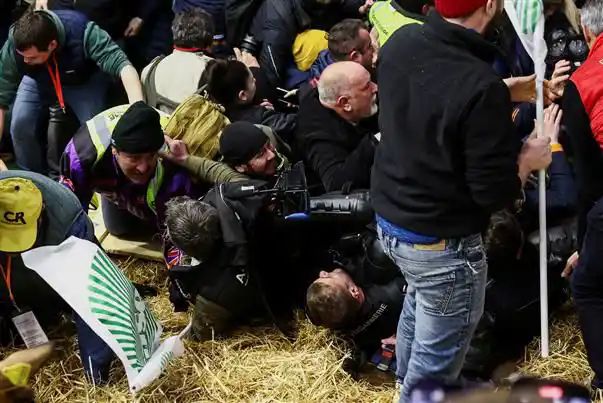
527 17
81 273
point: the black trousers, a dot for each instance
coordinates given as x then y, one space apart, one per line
587 289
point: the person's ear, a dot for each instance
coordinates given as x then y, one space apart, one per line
343 103
243 96
354 56
355 292
114 151
588 36
491 7
242 169
53 45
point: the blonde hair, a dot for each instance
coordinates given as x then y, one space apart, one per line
572 13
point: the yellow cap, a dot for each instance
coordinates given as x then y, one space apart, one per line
307 46
20 209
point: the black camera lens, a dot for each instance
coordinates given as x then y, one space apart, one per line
249 44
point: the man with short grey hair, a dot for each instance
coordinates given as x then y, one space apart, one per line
211 273
583 119
334 136
169 80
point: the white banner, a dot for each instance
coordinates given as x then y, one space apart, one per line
84 276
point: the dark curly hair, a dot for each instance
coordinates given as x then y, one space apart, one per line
193 28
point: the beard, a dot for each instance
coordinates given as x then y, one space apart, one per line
374 108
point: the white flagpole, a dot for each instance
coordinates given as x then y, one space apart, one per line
533 41
539 65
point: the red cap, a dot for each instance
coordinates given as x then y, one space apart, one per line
458 8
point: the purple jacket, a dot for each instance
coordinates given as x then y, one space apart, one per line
83 175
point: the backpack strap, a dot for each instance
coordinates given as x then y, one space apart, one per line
150 90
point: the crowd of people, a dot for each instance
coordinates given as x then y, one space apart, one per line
370 162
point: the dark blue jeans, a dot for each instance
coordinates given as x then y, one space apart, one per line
587 289
30 116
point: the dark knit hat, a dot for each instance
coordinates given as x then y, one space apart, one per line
240 142
138 131
458 8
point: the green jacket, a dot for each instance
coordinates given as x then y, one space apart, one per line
211 171
97 45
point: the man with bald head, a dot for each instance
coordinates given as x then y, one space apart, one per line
334 138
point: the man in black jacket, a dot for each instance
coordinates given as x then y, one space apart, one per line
447 160
335 142
361 297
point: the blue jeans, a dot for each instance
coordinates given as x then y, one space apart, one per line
30 115
442 307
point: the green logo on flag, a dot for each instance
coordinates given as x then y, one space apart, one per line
529 12
118 306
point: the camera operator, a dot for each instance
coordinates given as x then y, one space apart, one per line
205 272
247 150
244 237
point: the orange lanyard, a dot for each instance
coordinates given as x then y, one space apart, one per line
7 279
55 77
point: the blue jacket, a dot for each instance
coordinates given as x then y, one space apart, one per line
323 60
561 192
74 66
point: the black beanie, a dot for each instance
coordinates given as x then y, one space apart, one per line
138 131
240 142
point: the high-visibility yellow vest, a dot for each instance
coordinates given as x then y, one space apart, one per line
101 129
384 16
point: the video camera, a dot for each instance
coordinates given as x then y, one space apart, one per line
290 200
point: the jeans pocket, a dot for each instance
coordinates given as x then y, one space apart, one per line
475 257
436 292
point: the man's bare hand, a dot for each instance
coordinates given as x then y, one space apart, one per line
3 166
552 122
535 153
246 58
366 7
571 265
555 87
134 27
178 153
523 89
390 341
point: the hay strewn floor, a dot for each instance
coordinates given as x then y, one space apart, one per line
567 360
260 366
263 365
